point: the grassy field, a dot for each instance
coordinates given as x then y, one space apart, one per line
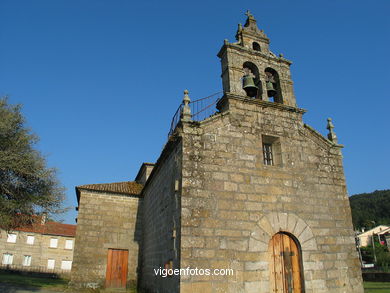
57 285
376 287
32 281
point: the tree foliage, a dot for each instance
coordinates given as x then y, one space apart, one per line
27 185
370 209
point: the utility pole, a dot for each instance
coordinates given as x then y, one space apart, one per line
373 242
373 245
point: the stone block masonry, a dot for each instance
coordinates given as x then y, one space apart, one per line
232 204
161 221
105 221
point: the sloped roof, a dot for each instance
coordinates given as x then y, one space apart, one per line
126 187
51 228
376 230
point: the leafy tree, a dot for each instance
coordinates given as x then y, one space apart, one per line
27 185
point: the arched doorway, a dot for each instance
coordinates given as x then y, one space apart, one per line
285 264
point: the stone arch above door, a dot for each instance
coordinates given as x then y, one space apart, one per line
275 222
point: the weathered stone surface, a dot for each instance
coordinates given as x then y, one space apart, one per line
105 221
230 203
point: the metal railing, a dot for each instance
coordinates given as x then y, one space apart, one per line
201 109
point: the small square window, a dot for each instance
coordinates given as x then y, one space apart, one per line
30 239
51 264
267 154
68 244
53 242
27 260
66 265
8 258
11 238
272 153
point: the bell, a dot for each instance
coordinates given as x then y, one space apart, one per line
270 89
248 84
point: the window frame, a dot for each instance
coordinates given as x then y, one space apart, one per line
28 258
9 239
49 262
30 237
272 151
10 256
65 268
51 243
268 154
66 244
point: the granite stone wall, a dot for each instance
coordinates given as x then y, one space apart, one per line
232 204
40 251
105 221
161 221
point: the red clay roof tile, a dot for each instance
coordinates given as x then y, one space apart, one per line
126 187
51 228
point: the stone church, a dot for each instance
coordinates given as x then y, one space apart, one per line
250 188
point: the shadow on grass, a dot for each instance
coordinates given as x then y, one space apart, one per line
13 281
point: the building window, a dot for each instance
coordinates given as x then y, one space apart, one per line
53 242
272 151
27 260
11 238
66 265
8 258
267 154
68 244
51 264
30 239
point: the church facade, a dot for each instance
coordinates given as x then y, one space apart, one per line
251 189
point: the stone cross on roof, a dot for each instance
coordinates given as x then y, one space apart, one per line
331 135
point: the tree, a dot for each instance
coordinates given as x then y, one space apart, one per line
27 185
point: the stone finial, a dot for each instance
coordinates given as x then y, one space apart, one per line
249 14
239 34
185 114
250 21
331 135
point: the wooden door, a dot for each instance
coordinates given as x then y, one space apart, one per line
285 265
116 274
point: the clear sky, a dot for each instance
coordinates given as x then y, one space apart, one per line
100 80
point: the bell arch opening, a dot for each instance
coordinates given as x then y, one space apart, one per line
273 85
286 266
256 46
251 83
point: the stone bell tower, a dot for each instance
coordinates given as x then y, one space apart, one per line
251 189
250 58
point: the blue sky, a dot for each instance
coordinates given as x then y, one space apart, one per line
100 80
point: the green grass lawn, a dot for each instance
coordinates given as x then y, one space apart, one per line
59 285
32 281
376 287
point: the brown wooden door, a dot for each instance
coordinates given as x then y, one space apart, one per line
285 265
116 274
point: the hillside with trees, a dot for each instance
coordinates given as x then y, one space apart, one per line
370 209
